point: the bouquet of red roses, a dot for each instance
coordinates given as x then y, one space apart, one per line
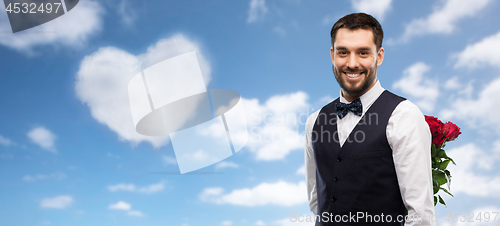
441 133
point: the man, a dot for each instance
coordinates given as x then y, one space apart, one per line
367 153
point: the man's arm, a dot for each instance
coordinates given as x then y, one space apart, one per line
310 164
410 139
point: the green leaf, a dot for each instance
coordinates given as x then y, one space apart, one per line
441 200
447 192
441 153
435 185
440 176
444 164
435 200
447 157
433 150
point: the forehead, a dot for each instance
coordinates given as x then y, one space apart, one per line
359 38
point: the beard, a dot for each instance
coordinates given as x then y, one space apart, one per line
361 88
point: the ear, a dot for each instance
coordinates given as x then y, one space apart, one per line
380 56
331 53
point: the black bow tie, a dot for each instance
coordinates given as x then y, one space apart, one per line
355 107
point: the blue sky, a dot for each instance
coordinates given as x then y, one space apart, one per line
69 154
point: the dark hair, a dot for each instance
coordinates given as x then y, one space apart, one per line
356 21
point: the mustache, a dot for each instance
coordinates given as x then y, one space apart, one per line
348 70
353 71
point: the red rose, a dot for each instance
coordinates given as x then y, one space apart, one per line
434 125
439 137
451 131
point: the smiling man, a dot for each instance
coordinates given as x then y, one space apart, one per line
367 153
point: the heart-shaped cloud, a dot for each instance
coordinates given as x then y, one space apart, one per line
102 83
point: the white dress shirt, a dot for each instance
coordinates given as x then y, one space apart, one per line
410 139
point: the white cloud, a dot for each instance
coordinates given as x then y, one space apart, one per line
274 125
257 11
470 158
122 187
210 192
121 205
301 170
127 12
102 83
488 99
135 213
37 177
59 202
376 8
169 160
43 137
152 188
5 142
416 85
226 164
73 29
227 223
280 193
483 53
444 18
452 83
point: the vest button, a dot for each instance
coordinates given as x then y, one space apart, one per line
336 179
334 199
339 159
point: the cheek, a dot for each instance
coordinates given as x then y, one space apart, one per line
369 63
338 63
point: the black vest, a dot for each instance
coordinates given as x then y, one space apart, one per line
359 177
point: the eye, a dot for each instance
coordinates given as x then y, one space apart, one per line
341 53
363 53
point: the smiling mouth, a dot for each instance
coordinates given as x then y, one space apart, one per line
353 75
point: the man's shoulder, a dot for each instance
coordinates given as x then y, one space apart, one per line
392 95
312 118
407 109
407 105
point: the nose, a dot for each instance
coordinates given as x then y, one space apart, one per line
352 61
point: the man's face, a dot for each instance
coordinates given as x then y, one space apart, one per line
355 60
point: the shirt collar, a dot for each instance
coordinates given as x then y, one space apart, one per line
369 97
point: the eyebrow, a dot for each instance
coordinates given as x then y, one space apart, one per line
364 49
360 49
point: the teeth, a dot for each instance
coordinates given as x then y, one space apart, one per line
352 75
